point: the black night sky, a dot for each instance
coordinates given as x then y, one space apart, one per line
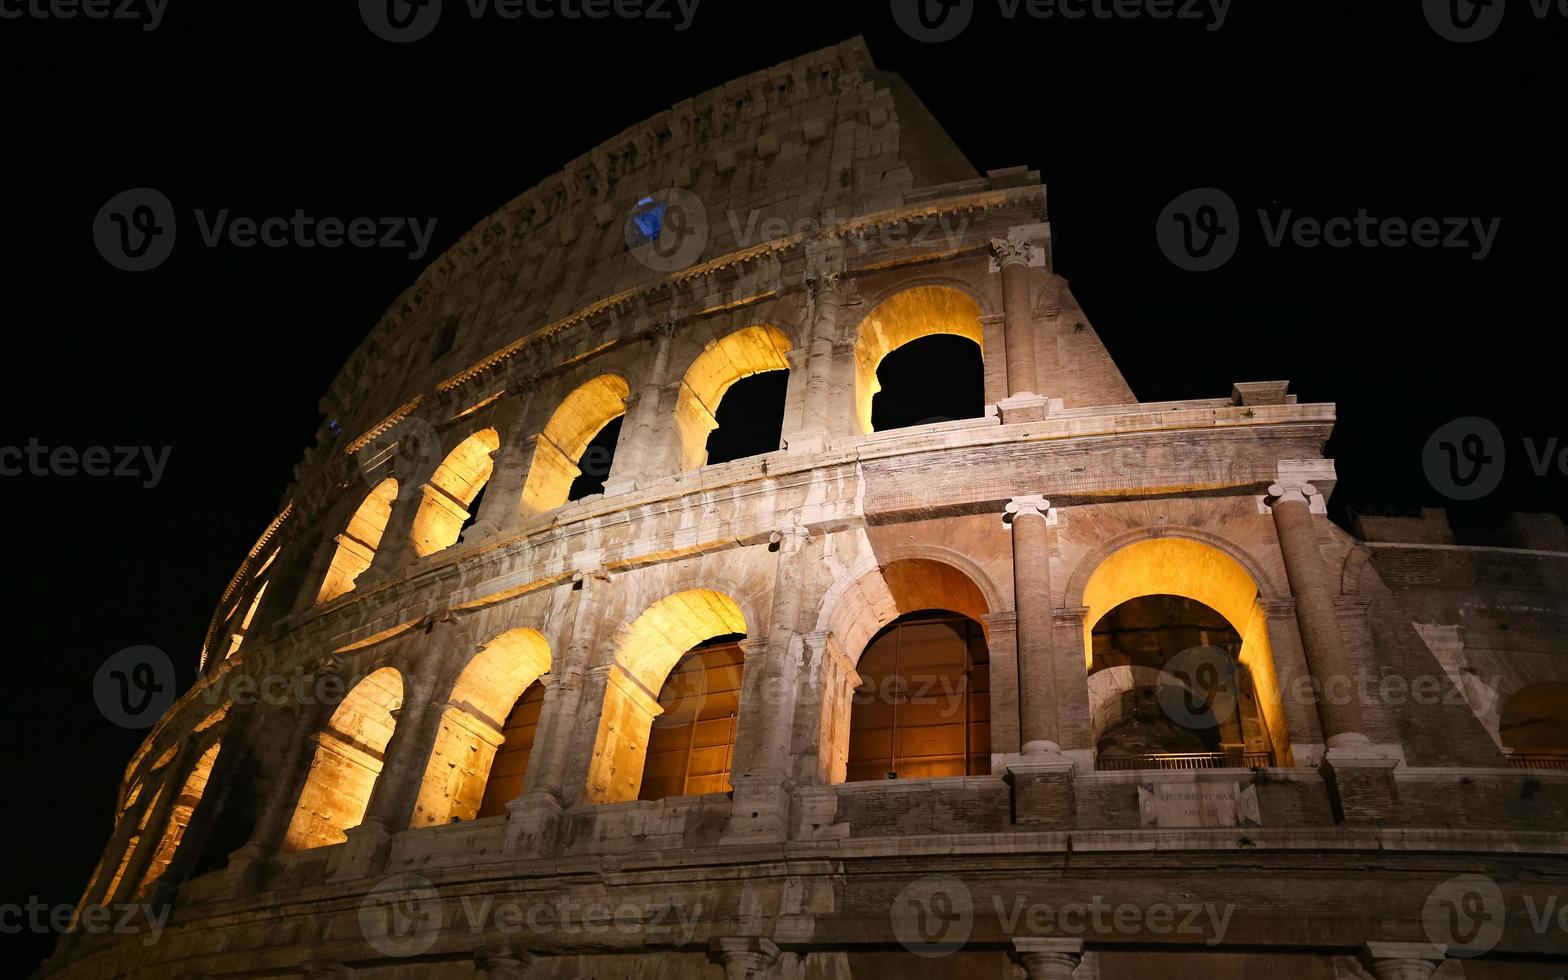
265 108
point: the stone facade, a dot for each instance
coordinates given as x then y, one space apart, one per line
310 808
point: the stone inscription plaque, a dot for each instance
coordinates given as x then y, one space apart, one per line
1192 803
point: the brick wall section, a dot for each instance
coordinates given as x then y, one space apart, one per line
941 806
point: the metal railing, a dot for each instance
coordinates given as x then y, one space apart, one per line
1526 760
1188 760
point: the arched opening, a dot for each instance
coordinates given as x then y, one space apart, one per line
558 450
190 795
933 379
596 462
1179 664
453 488
750 418
1167 689
349 756
758 350
473 727
692 742
1534 726
358 543
923 706
646 653
906 676
923 311
509 771
241 628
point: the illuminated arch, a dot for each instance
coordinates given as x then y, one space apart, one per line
724 361
1534 725
349 756
856 613
557 450
922 311
190 794
646 651
1196 570
358 543
472 725
451 491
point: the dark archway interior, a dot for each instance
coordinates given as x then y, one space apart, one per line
751 418
1221 717
596 461
934 379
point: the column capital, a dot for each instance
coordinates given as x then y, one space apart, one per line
1031 506
744 958
1401 961
1011 251
1048 959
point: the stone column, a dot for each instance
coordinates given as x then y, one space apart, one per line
1037 680
1012 255
746 958
534 817
502 507
397 540
1316 612
1048 959
635 452
828 296
1360 781
769 683
1401 961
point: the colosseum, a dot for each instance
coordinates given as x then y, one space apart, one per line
536 675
